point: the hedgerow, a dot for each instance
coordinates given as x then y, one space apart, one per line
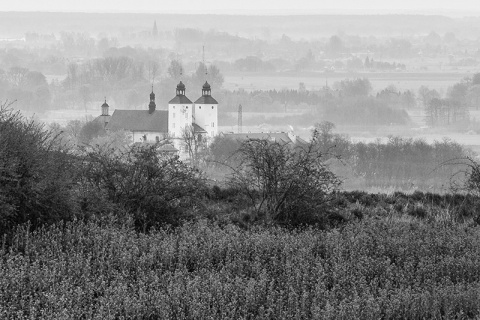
367 270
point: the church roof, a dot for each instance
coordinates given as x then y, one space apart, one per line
198 129
180 99
206 100
139 120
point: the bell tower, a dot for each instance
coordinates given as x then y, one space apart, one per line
180 112
206 111
105 117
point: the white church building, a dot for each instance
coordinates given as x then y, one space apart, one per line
152 126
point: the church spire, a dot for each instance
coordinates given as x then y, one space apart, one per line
152 105
155 30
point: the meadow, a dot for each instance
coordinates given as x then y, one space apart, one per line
382 265
99 233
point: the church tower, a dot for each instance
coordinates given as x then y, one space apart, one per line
180 112
152 105
206 111
105 117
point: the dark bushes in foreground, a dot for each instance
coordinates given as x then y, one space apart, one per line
43 182
152 187
36 174
367 270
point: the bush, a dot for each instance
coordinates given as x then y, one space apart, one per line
152 187
36 176
288 183
473 178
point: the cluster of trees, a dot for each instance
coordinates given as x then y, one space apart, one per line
371 64
403 163
43 179
348 102
253 64
395 98
454 107
29 88
400 163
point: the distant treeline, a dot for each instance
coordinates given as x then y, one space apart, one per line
398 163
348 102
401 163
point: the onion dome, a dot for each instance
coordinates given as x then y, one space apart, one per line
180 89
206 89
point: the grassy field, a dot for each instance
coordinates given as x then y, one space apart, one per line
383 266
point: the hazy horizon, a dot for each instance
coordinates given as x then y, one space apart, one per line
251 7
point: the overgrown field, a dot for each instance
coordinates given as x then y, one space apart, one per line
100 232
375 268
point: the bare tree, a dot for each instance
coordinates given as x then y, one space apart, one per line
193 142
153 68
284 181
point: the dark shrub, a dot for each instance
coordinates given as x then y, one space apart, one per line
154 188
36 174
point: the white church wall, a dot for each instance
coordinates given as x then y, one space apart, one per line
179 116
206 116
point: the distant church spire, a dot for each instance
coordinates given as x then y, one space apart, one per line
155 30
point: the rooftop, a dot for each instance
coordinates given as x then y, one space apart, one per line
139 120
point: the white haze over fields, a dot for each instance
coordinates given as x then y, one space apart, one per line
442 7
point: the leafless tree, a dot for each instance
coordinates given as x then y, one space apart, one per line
193 142
282 180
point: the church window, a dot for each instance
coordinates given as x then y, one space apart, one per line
199 107
213 107
213 124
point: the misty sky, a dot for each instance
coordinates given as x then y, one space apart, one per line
445 7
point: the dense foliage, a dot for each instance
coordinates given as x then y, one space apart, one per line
44 180
36 180
390 269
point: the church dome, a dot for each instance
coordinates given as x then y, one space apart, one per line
180 86
105 104
206 86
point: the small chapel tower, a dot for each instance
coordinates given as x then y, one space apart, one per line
152 105
105 117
